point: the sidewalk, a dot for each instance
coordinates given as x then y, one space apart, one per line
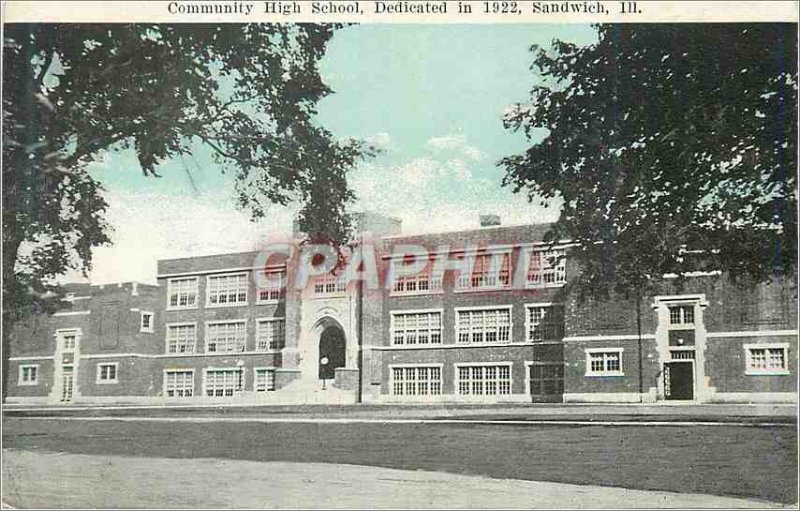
540 412
37 479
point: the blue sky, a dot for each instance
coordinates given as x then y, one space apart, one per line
432 96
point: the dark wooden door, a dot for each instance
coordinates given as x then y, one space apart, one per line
679 380
547 382
332 351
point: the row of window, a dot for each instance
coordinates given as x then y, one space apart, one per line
222 382
106 373
544 322
226 336
489 271
223 290
476 380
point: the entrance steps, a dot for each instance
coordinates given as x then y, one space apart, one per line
311 391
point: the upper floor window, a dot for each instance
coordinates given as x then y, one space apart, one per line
766 359
488 271
182 293
681 315
181 338
272 286
226 337
226 289
547 268
422 282
270 334
329 284
146 321
483 325
416 328
545 323
68 341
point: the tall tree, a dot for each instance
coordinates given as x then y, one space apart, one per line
672 149
247 92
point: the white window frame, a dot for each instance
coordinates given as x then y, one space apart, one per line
464 283
209 324
682 307
236 392
22 382
416 380
457 378
529 325
177 370
259 325
267 370
166 338
196 293
100 380
327 279
61 333
151 328
280 290
748 357
604 351
393 326
546 268
433 281
485 308
237 303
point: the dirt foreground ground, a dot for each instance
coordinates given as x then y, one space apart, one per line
56 480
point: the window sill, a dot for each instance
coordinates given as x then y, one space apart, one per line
267 302
177 308
482 289
225 305
146 331
28 384
107 382
604 375
545 286
394 294
782 372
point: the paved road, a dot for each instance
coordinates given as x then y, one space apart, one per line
753 461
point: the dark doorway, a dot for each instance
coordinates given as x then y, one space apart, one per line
679 380
332 351
547 382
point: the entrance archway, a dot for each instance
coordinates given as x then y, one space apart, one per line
332 351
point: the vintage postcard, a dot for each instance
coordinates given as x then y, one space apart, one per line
404 254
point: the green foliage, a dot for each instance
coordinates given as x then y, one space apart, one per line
672 147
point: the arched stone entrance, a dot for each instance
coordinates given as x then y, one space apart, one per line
332 351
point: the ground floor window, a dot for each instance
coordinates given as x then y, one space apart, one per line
107 373
29 375
223 382
604 362
179 383
766 359
416 381
265 380
489 380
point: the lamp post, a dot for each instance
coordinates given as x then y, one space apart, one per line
323 362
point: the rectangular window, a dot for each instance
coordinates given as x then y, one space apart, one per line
483 325
272 286
226 337
28 375
416 381
146 322
410 328
265 380
489 380
68 341
226 289
604 362
329 284
182 293
423 282
681 315
545 323
181 338
107 373
488 271
178 383
766 359
270 334
223 382
547 268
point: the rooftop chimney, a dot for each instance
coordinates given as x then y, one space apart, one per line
490 220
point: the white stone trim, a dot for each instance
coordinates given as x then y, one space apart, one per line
602 397
238 269
621 337
603 374
71 313
32 383
41 357
151 329
753 333
753 397
750 371
453 346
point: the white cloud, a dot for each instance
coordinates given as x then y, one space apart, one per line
381 140
456 143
